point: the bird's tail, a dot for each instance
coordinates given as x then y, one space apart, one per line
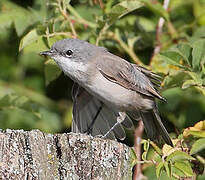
153 125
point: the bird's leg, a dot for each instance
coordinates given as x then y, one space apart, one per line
111 129
120 118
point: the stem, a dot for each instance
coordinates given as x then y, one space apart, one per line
171 30
138 137
79 18
201 159
129 50
66 17
100 36
159 31
58 34
100 2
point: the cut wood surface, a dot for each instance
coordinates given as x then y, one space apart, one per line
37 155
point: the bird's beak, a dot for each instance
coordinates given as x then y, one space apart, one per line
47 53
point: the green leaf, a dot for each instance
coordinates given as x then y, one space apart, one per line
178 173
36 46
188 83
196 77
185 167
197 82
29 38
14 100
197 130
199 33
133 157
118 11
19 26
79 12
39 9
198 146
17 118
147 24
185 51
175 80
159 169
157 8
198 53
123 8
146 145
178 156
197 133
21 17
5 20
167 168
33 95
172 57
132 41
199 11
52 71
146 149
201 89
156 148
21 112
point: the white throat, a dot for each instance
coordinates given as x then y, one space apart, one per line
75 70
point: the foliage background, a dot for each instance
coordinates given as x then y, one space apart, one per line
35 94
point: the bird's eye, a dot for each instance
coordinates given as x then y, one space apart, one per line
69 52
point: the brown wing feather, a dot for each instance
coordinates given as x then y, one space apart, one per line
129 75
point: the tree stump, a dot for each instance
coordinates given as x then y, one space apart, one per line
37 155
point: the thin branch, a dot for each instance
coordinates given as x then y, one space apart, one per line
65 15
79 18
100 2
138 137
129 50
159 31
68 34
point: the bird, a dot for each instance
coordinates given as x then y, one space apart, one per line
108 92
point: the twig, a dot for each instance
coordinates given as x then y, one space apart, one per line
65 15
129 50
100 2
79 18
159 31
138 136
67 34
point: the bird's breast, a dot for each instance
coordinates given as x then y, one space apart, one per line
109 92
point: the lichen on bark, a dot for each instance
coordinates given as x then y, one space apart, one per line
37 155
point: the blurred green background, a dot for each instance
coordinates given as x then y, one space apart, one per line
35 95
27 102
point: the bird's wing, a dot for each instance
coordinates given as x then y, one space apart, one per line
141 80
129 75
93 117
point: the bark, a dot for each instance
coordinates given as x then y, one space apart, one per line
37 155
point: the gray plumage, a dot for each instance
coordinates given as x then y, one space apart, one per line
108 89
